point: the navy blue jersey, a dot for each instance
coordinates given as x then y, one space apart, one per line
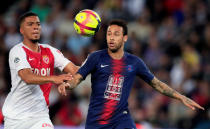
111 85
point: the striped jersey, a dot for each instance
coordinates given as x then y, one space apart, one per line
111 85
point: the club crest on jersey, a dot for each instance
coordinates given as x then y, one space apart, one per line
130 68
45 59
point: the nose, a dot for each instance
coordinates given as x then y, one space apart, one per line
36 27
111 37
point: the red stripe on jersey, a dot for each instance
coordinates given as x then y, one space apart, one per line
110 104
42 64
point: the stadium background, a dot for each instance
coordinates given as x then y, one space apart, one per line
171 36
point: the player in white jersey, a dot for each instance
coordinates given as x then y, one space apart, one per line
31 67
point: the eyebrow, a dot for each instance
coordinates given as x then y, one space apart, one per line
32 22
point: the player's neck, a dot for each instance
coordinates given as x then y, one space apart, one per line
116 55
32 46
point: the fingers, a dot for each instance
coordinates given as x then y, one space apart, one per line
192 104
62 89
189 105
67 77
197 105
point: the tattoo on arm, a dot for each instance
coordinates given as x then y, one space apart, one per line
164 88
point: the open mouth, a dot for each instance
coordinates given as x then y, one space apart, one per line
111 44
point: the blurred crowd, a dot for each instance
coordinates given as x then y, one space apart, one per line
171 36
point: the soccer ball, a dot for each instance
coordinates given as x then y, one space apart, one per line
87 22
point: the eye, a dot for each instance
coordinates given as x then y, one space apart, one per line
108 34
30 24
117 34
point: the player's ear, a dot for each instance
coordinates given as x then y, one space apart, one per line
21 30
125 38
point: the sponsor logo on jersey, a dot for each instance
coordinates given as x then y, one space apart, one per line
16 60
114 87
125 112
42 72
46 125
30 59
45 59
102 66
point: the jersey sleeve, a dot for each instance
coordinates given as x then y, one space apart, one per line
88 65
60 60
17 59
143 71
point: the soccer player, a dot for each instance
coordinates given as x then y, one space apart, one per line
112 73
31 66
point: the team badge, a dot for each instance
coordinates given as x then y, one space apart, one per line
45 59
16 60
130 68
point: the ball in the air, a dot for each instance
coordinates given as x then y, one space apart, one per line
87 22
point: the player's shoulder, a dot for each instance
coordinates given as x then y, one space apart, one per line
46 46
98 53
133 57
17 48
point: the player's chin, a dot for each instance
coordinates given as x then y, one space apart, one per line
35 40
113 49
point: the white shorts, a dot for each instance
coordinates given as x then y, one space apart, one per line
29 123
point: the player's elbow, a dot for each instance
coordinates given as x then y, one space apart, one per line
27 81
26 75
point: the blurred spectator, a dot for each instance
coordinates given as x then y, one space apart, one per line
65 26
47 29
142 28
77 43
12 37
41 8
153 54
23 6
134 7
69 113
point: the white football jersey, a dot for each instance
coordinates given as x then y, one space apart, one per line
24 100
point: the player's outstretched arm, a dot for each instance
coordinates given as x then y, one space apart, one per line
166 90
77 78
30 78
71 68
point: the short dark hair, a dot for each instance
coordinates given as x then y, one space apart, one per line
120 23
23 16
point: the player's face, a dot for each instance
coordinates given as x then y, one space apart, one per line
31 28
115 38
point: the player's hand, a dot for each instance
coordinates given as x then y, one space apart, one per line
190 103
62 88
62 78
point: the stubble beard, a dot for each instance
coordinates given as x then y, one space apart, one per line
34 41
116 49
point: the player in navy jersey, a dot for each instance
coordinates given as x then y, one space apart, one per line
112 74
